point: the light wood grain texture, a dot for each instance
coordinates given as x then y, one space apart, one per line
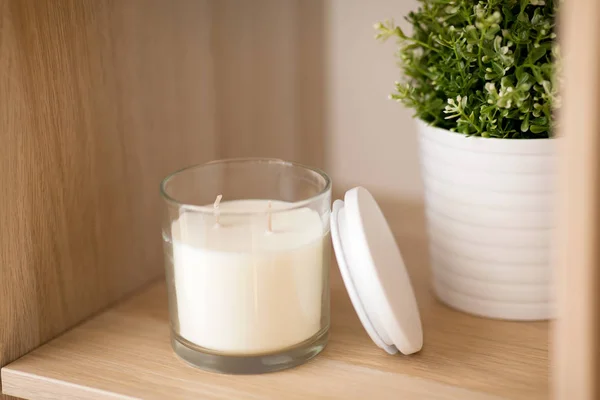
98 101
125 352
577 329
269 71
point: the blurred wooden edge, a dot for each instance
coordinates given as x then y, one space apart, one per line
576 332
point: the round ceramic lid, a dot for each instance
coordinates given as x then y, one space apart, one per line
374 273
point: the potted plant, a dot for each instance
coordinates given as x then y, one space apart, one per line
480 76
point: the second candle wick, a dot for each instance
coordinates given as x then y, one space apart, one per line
216 208
269 217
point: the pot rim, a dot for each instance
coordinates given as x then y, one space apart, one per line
542 146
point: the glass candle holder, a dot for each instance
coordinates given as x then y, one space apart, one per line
247 256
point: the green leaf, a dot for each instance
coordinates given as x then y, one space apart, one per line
525 124
540 121
498 69
536 53
537 17
538 128
523 17
519 72
539 78
524 82
507 13
492 31
506 81
399 32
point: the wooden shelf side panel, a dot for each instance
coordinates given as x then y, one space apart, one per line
98 101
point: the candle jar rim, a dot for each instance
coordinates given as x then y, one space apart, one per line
185 206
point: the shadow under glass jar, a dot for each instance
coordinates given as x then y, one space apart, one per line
247 255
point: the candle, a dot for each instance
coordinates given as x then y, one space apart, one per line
248 282
246 244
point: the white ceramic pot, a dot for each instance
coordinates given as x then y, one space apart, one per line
489 206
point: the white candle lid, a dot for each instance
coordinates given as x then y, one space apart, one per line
374 273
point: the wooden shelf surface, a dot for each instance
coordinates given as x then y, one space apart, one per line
125 353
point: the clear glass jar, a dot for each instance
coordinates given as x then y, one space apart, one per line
248 272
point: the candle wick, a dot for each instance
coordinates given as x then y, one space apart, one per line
269 217
217 211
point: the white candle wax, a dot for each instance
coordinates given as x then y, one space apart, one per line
241 289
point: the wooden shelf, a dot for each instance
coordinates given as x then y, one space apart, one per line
125 352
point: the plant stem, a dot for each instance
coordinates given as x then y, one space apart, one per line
417 41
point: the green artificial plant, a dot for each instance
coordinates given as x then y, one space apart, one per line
483 68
